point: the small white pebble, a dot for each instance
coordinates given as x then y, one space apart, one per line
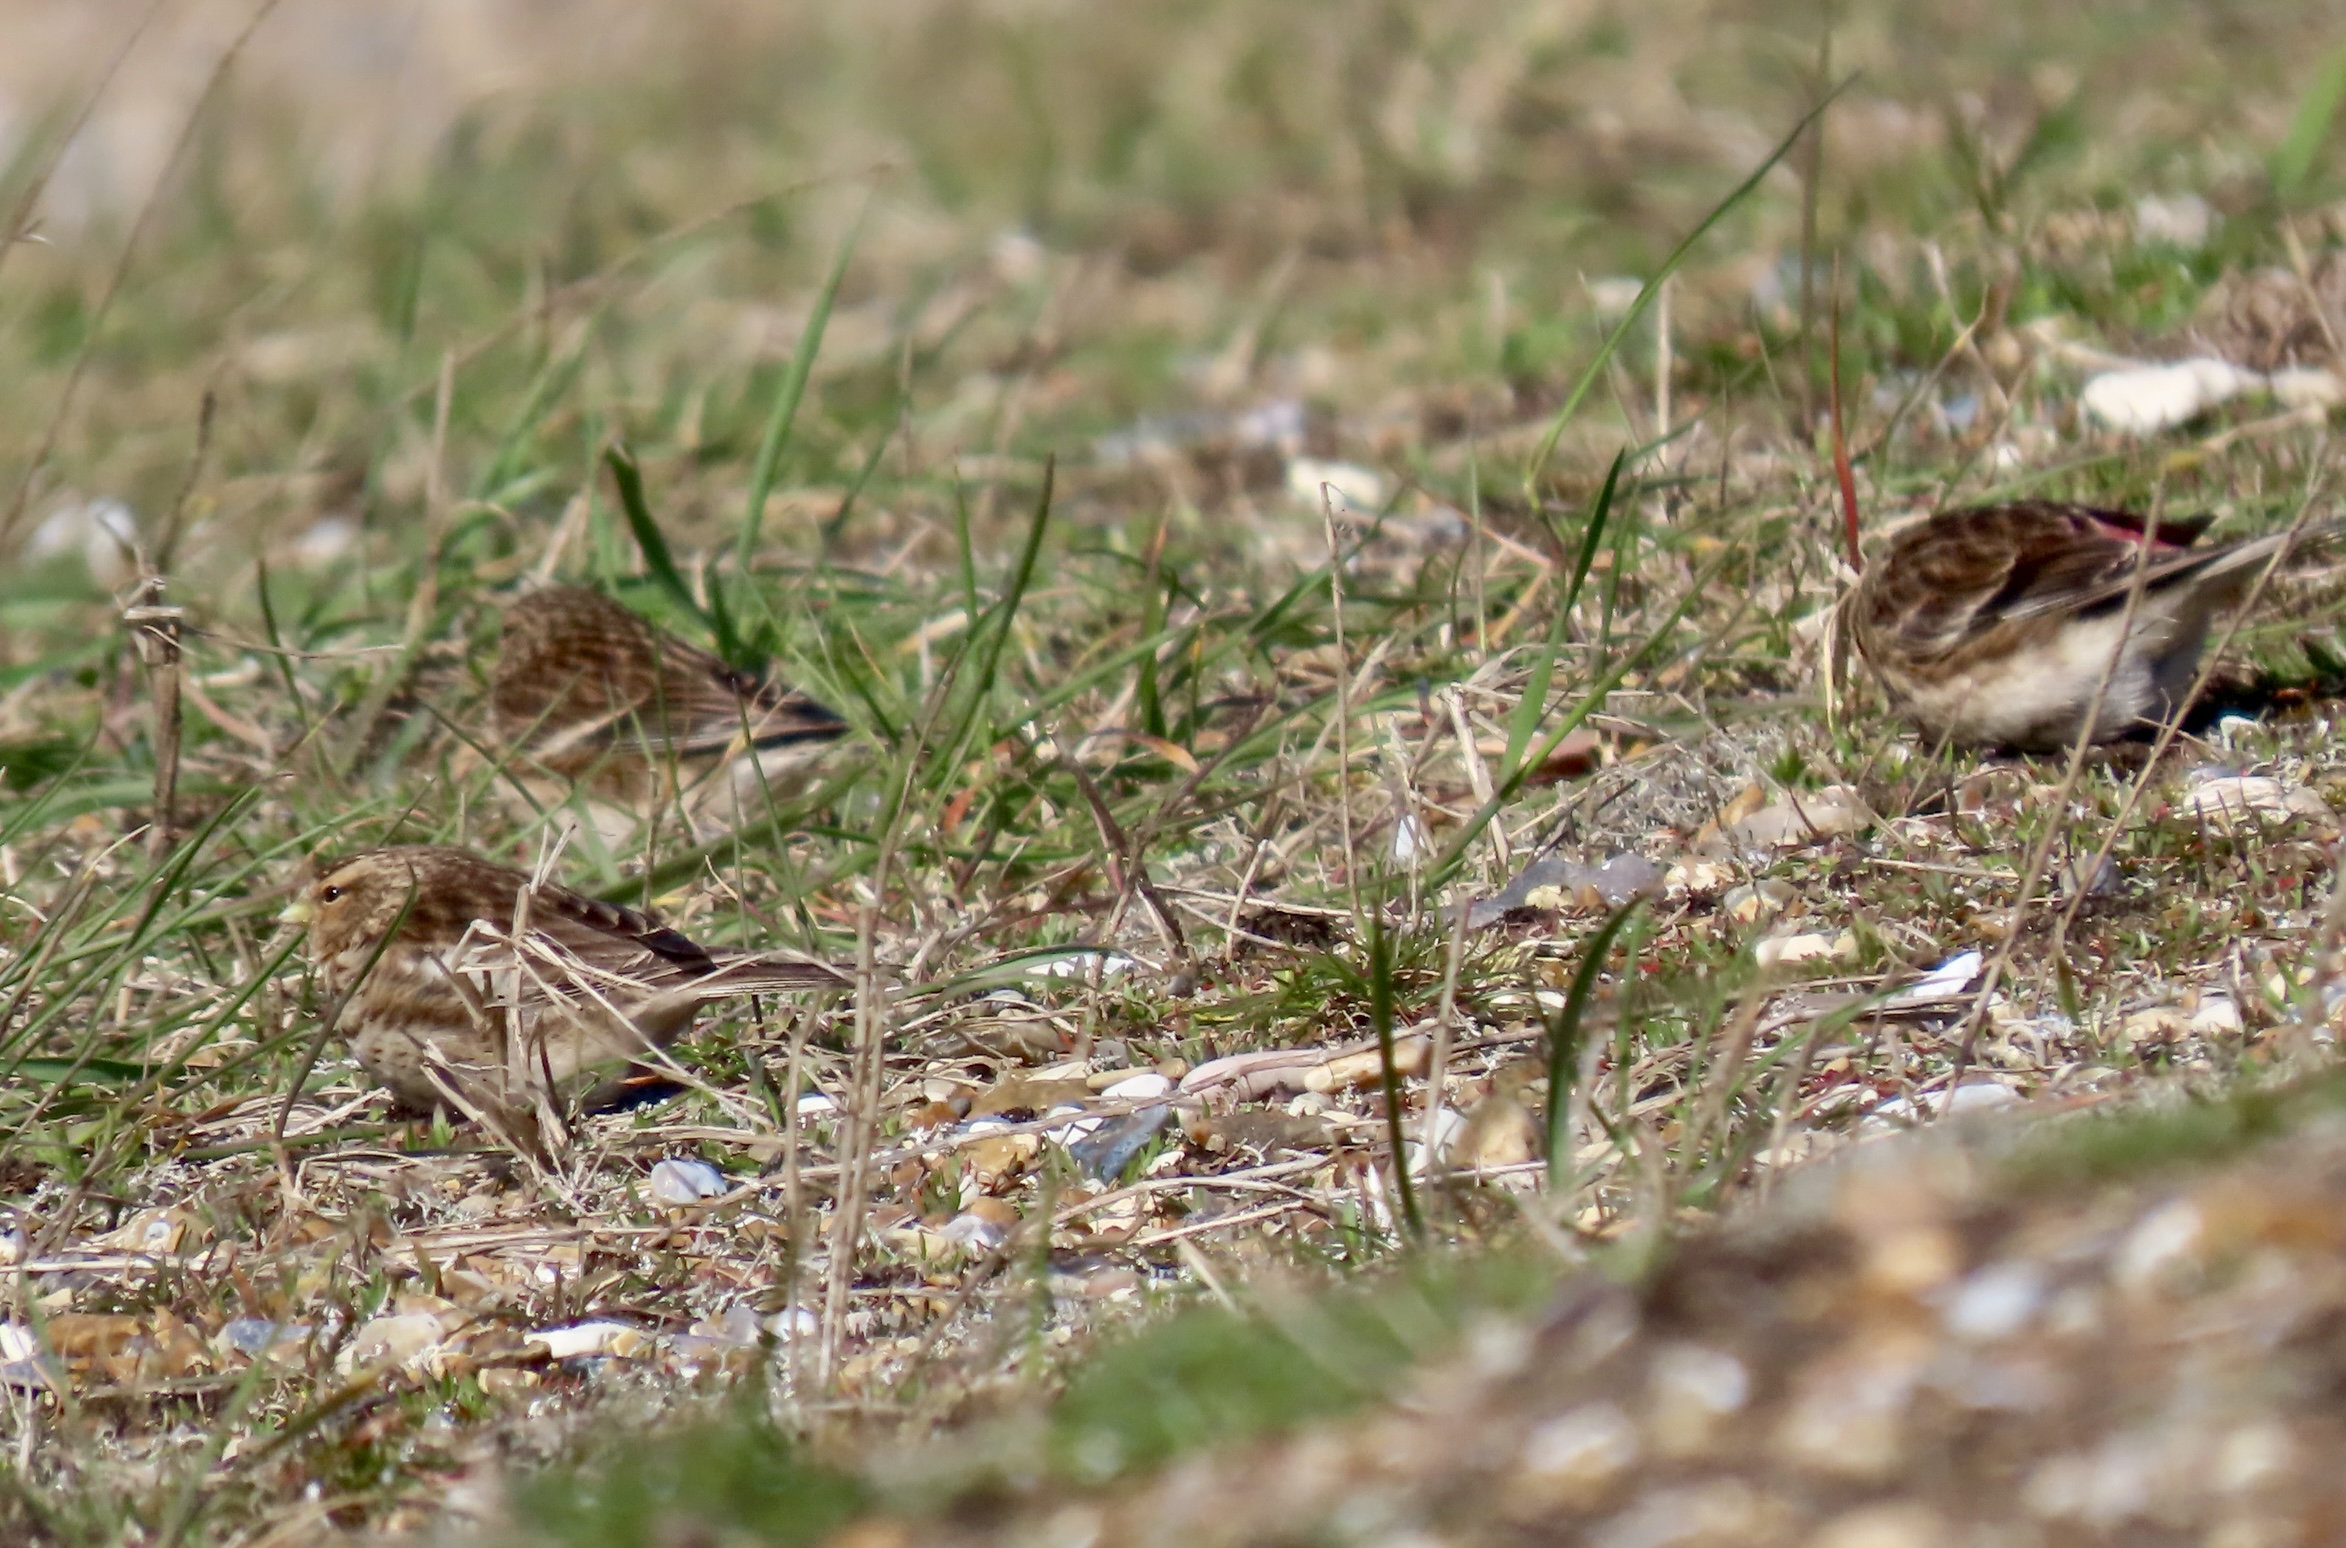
1996 1301
589 1338
2158 1245
2177 220
2253 1455
973 1233
2143 400
1614 294
795 1322
1350 486
1586 1446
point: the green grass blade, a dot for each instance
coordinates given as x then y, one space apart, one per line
1645 297
552 381
987 636
863 477
1590 540
627 477
1454 853
1564 1039
1534 702
784 413
965 551
2309 127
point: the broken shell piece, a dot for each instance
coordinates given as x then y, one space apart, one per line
1801 817
1614 294
1080 1124
1146 1086
2305 387
2158 1024
22 1364
1367 1067
1449 1124
1785 950
257 1336
1949 979
589 1339
102 529
1976 1096
682 1184
2217 1015
1694 878
2230 800
2179 220
973 1233
1554 882
1755 901
1104 1155
402 1339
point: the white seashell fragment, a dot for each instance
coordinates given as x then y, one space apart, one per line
973 1233
102 530
2232 800
1948 979
1076 963
1146 1086
2179 220
2143 400
683 1183
403 1339
1355 488
583 1339
1815 946
2299 387
1614 294
1412 843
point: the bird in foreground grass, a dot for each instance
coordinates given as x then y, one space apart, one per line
596 696
1995 625
468 976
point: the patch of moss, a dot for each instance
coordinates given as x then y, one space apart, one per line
1212 1376
2129 1144
734 1474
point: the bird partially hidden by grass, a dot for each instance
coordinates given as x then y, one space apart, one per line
589 695
1996 625
471 984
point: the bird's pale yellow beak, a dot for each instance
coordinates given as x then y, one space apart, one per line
298 912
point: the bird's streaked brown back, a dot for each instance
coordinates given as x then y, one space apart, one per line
1946 582
579 678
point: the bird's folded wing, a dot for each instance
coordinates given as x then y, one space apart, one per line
704 706
767 971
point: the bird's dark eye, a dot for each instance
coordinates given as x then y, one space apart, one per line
330 894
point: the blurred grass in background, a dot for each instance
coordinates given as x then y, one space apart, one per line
595 209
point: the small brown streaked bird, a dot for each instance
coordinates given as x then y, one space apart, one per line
599 697
1995 625
503 986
